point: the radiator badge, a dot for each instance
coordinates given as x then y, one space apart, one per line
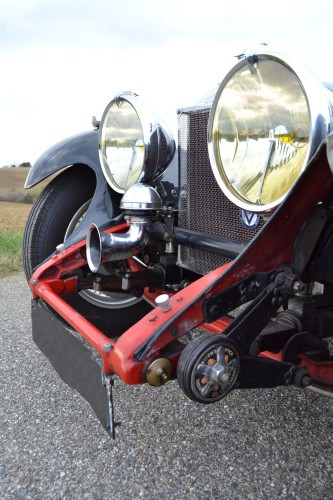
249 219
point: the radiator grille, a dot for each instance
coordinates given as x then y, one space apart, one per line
202 205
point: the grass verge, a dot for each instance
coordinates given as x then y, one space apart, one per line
10 252
13 217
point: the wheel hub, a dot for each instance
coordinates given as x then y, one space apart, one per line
217 372
208 368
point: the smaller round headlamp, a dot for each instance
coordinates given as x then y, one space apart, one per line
134 146
267 120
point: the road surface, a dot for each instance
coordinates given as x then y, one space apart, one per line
254 444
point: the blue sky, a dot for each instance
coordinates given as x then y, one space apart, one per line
62 61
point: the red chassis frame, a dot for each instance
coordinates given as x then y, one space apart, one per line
158 328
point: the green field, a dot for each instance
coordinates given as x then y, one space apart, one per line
10 253
13 217
15 205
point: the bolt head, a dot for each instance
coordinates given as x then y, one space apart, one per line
298 286
306 381
107 347
214 309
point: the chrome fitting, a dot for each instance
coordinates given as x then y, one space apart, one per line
164 302
103 247
141 197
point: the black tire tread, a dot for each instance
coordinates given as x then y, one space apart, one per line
188 357
38 241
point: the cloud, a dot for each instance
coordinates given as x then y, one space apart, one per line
62 61
128 23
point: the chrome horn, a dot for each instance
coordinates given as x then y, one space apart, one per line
140 203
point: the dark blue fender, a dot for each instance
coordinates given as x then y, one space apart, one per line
81 149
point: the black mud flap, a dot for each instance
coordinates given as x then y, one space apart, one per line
73 362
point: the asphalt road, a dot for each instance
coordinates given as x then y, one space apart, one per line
254 444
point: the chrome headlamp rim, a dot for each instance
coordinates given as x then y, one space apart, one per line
152 128
330 150
319 117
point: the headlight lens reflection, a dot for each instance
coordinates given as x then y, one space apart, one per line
122 145
260 134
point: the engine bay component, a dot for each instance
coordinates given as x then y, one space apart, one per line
141 197
164 302
208 368
102 246
134 144
267 120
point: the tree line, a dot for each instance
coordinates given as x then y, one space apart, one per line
25 164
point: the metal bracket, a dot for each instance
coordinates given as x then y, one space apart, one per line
248 325
118 96
236 295
308 238
108 382
267 296
265 373
252 60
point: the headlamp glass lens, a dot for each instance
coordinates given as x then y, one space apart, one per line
260 133
122 145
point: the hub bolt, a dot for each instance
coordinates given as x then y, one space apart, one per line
163 375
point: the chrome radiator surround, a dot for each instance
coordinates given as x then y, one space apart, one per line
202 205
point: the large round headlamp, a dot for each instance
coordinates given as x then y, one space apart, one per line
134 145
267 120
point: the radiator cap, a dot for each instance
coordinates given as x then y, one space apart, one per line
141 197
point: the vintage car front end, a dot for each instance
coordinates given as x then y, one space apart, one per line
226 264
